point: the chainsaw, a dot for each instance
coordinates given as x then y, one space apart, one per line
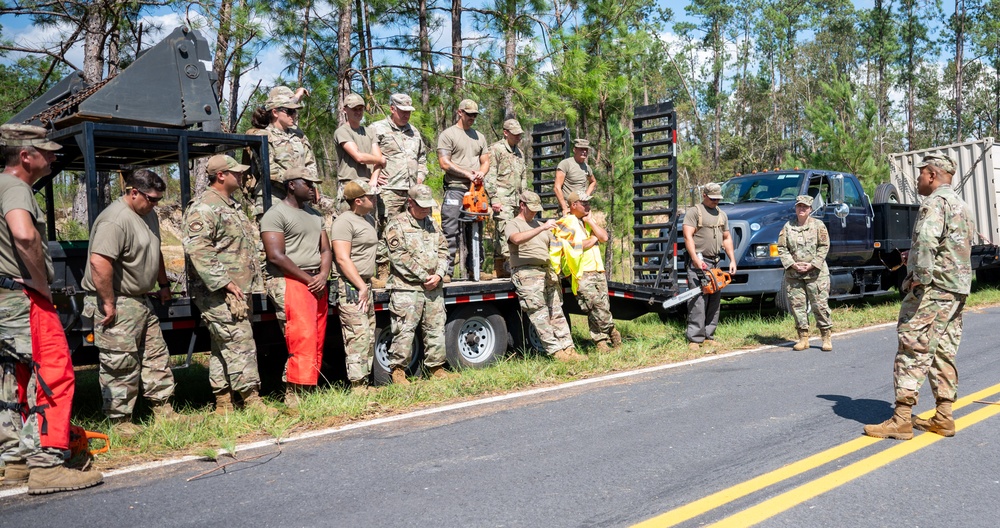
712 281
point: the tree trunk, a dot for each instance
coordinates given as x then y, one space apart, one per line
959 46
306 22
456 48
222 46
510 61
344 58
359 6
93 72
425 57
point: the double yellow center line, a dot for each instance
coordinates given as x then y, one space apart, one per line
809 490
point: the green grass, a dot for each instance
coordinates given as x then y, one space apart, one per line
648 341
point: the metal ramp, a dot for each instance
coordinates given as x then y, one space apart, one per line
655 200
549 146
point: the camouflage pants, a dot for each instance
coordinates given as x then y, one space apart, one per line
233 363
500 248
804 293
592 296
390 204
19 439
540 294
359 334
930 330
410 309
131 349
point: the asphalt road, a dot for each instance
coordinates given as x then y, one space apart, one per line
678 445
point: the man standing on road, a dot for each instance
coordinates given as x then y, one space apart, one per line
538 289
938 280
221 250
574 175
354 243
505 180
355 149
299 261
465 159
706 236
418 255
123 267
36 374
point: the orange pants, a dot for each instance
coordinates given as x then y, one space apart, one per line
305 332
52 364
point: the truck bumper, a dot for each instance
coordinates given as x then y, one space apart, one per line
751 283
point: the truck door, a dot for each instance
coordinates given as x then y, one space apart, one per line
850 238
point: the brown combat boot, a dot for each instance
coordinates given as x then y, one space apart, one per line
15 474
361 387
941 423
399 376
292 399
693 346
124 428
569 354
224 403
439 372
253 402
500 268
61 478
803 342
381 275
898 427
603 347
165 413
616 338
827 343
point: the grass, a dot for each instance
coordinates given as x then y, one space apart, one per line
648 341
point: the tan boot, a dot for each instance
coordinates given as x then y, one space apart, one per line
941 423
381 275
569 354
124 428
15 474
692 346
803 342
165 413
224 403
399 376
361 387
616 338
827 343
61 478
500 268
898 427
603 347
292 399
253 402
439 372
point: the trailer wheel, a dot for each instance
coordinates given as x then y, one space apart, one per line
381 373
476 336
523 337
886 193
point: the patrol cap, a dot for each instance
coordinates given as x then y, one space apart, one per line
713 190
804 199
222 162
421 194
402 102
512 126
468 106
281 97
578 197
20 135
353 101
581 143
531 200
299 173
356 189
941 161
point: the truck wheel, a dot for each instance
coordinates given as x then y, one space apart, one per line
476 336
381 373
886 193
523 337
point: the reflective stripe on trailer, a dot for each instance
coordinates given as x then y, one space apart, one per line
461 299
179 325
623 295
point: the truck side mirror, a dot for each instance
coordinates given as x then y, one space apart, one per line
837 189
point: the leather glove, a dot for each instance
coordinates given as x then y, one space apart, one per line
238 307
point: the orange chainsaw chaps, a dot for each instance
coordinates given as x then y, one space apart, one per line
476 201
717 280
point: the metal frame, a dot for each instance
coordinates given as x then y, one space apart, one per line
546 140
655 183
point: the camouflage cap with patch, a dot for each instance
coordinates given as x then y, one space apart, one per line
713 190
281 97
20 135
222 162
356 189
422 195
581 143
468 106
578 197
402 102
513 126
941 161
531 200
804 199
299 173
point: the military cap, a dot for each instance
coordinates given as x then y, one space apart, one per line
421 194
941 161
356 189
299 173
578 197
402 102
804 199
512 126
713 190
581 143
353 101
222 162
531 200
281 97
468 106
20 135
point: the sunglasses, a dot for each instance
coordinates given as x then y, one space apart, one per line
150 199
290 112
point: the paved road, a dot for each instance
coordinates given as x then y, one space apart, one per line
614 453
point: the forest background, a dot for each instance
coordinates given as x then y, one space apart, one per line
756 83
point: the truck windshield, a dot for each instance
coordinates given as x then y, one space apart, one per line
768 187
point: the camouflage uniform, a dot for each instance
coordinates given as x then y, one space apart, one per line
417 250
540 294
808 243
286 150
220 247
405 163
504 182
359 333
930 317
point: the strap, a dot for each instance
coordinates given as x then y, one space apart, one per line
40 411
8 283
12 406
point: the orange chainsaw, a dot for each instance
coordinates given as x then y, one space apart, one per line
712 281
476 202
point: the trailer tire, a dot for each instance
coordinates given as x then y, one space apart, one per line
523 337
381 373
476 336
885 193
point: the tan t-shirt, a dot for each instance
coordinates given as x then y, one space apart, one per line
465 147
347 167
534 252
359 231
132 242
576 176
302 229
708 235
15 194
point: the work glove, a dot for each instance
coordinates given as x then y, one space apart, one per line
238 307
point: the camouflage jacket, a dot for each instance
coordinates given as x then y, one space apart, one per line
809 243
405 155
289 150
506 177
220 245
416 250
942 242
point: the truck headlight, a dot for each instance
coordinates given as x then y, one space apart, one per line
765 250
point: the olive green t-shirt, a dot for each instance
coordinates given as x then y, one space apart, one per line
302 229
347 167
707 237
576 176
465 147
132 242
16 194
534 252
359 231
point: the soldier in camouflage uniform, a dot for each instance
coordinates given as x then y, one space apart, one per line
287 146
938 280
221 255
802 247
418 258
504 183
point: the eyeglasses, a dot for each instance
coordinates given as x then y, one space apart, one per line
149 198
290 112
